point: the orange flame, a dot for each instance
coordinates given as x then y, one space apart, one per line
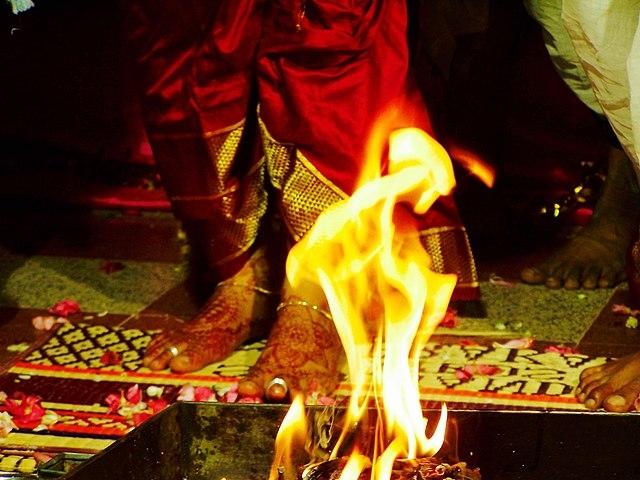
366 255
293 430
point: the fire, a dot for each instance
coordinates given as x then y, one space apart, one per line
366 255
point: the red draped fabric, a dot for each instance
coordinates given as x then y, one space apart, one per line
319 72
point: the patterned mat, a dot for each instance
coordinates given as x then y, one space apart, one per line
68 373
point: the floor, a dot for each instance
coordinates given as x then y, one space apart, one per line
127 269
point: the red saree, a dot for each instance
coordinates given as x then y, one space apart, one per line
246 92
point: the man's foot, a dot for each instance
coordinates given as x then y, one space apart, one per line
595 258
303 355
241 307
614 386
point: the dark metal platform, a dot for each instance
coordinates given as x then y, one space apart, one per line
198 441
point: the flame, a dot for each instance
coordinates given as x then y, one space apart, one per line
293 429
366 255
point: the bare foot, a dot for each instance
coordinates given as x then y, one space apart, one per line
239 309
303 350
596 256
613 386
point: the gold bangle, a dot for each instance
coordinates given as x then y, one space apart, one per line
255 288
302 303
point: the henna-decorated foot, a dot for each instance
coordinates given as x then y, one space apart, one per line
595 257
614 386
303 355
241 307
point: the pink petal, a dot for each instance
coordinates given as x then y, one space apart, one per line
203 394
64 308
516 344
111 358
113 402
562 349
134 394
488 370
450 319
230 397
158 404
464 375
498 280
186 394
250 400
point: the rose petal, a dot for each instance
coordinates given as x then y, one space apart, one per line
110 267
134 394
498 280
562 349
113 401
250 400
155 392
620 309
140 418
6 424
157 405
230 397
450 319
110 357
516 343
469 371
464 375
186 394
65 307
203 394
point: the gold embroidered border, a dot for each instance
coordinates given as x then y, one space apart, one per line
450 252
236 206
305 191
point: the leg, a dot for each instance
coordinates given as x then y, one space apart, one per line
595 257
196 68
241 307
303 349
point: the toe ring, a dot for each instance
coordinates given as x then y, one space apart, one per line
173 350
276 381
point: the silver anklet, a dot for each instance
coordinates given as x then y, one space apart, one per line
245 285
302 303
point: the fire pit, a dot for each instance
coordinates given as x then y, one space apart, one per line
214 441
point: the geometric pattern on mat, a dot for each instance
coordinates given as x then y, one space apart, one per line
82 345
527 378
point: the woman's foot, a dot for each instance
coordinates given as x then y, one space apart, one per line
303 355
614 386
595 258
241 307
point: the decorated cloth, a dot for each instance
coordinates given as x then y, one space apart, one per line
596 47
239 94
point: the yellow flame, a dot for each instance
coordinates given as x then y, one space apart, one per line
292 431
366 255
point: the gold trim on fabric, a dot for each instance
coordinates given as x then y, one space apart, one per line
305 191
450 252
239 206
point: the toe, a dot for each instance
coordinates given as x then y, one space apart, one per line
156 348
553 282
572 278
624 399
607 278
590 278
533 276
587 374
250 388
587 390
596 396
187 361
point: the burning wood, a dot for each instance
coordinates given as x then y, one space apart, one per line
429 468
